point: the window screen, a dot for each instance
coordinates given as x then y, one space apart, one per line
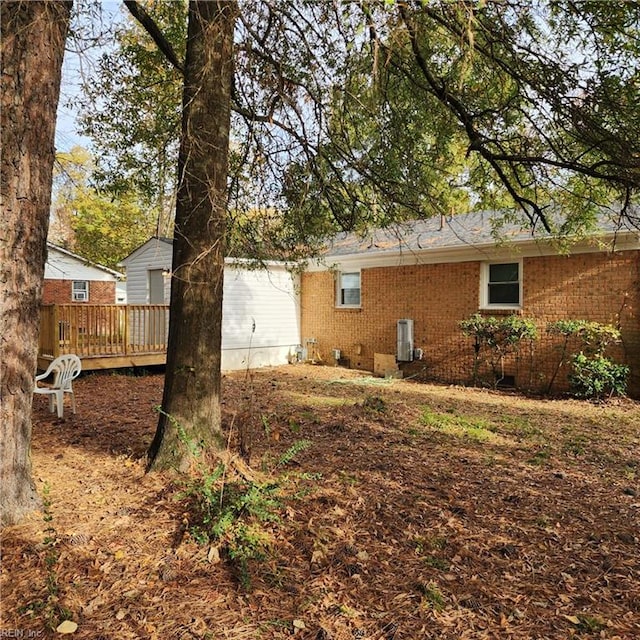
504 283
349 293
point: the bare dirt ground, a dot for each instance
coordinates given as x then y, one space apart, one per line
416 511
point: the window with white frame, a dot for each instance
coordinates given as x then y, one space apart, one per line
80 291
348 289
501 285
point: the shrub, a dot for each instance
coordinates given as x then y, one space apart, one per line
498 336
595 337
593 375
597 376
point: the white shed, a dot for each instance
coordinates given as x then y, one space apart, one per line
260 307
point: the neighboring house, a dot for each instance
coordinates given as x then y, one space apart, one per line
400 295
70 278
260 315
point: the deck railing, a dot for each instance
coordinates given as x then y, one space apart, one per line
103 329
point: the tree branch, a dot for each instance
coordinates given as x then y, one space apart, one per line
149 25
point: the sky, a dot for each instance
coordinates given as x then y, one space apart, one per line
75 66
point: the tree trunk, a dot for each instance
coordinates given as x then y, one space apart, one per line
33 39
191 401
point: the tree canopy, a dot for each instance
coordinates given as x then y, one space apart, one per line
130 109
101 226
347 115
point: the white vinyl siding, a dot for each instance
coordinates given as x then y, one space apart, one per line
260 317
154 255
62 266
260 308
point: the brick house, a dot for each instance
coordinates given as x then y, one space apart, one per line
400 294
69 278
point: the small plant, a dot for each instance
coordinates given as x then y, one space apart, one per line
374 404
426 544
432 594
294 426
265 425
436 563
50 542
232 515
51 608
586 624
292 452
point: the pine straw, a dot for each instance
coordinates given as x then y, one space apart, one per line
524 525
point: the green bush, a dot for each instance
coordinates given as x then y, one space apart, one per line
595 337
498 337
593 375
596 376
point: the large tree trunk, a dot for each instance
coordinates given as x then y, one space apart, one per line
191 402
33 38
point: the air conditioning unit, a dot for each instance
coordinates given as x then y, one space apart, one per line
80 296
404 351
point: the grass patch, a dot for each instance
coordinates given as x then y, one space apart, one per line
576 445
437 563
303 399
540 457
366 381
432 595
629 472
471 427
519 426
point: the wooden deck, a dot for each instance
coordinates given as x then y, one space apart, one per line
104 336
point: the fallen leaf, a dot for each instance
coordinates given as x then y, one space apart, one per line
317 556
66 627
572 619
214 555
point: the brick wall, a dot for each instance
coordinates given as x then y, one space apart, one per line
59 292
600 287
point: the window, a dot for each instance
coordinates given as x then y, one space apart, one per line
80 291
502 285
348 289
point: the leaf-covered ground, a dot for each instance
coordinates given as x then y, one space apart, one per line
416 511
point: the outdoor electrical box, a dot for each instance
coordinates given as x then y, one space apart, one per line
404 351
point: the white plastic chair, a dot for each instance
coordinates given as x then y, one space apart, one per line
65 369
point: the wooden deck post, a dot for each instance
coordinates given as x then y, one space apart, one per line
55 332
126 330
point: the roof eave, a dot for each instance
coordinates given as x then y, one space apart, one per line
404 256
